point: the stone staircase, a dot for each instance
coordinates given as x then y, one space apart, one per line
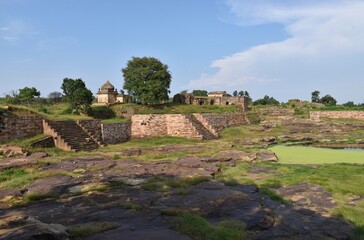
69 136
205 133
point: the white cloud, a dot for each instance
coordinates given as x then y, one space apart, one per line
17 30
326 44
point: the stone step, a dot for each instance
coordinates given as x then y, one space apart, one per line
73 135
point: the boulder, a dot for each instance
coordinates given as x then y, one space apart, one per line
20 226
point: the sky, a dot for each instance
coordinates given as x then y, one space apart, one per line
280 48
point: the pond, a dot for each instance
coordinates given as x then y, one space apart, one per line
312 155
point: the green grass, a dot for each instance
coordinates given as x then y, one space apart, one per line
165 184
16 178
171 108
51 111
198 228
311 155
89 229
148 142
344 181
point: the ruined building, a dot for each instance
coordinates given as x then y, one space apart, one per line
213 98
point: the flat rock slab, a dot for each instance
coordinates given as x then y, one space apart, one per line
20 226
53 185
309 196
79 163
156 233
8 163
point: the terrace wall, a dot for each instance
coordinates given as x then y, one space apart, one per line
19 126
316 115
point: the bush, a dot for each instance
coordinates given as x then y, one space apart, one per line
102 112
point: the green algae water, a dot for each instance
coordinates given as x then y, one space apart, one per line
312 155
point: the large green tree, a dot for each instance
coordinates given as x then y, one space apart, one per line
147 80
77 95
27 95
328 100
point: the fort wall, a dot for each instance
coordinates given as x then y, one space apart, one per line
18 126
316 115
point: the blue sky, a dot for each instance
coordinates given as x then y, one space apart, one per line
285 49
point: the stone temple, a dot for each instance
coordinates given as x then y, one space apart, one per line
108 95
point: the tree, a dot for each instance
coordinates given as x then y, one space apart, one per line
55 97
245 94
201 93
266 100
235 93
315 96
328 100
27 95
349 104
147 80
77 95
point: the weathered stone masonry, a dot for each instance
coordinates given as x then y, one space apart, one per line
316 115
196 126
18 126
113 133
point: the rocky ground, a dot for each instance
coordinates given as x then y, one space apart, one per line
137 200
105 198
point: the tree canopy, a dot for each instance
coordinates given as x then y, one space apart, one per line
77 95
266 100
147 80
328 100
201 93
315 96
27 95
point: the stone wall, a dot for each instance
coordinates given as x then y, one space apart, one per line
217 122
92 128
316 115
151 125
180 126
183 125
18 126
113 133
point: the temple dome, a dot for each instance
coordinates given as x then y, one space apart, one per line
107 86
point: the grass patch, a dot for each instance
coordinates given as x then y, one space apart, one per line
172 108
17 178
311 155
165 184
34 197
198 228
89 229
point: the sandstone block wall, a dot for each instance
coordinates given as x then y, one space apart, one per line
316 115
145 126
113 133
18 127
220 121
182 125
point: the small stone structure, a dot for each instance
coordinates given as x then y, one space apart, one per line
108 95
316 115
